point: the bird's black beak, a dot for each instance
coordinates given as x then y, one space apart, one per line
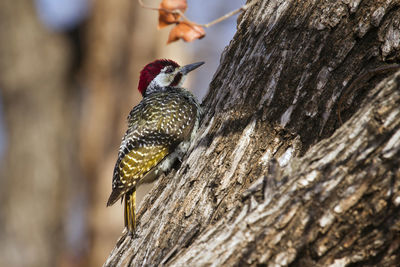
188 68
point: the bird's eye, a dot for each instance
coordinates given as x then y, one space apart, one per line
169 70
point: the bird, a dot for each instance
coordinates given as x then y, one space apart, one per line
160 130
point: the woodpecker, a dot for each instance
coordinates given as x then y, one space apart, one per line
160 130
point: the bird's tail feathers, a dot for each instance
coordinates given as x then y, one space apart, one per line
130 210
115 195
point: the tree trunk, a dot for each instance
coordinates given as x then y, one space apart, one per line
273 178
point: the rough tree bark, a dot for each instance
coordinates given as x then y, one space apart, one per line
273 178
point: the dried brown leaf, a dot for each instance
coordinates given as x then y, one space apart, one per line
166 18
186 31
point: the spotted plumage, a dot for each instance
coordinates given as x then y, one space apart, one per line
160 130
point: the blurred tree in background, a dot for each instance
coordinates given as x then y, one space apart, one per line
68 79
40 113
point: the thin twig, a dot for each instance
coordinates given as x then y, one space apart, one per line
230 14
177 11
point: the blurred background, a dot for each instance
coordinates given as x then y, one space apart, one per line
68 77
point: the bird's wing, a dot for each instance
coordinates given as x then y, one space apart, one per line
155 130
132 166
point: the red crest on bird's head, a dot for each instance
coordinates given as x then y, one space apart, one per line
151 70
